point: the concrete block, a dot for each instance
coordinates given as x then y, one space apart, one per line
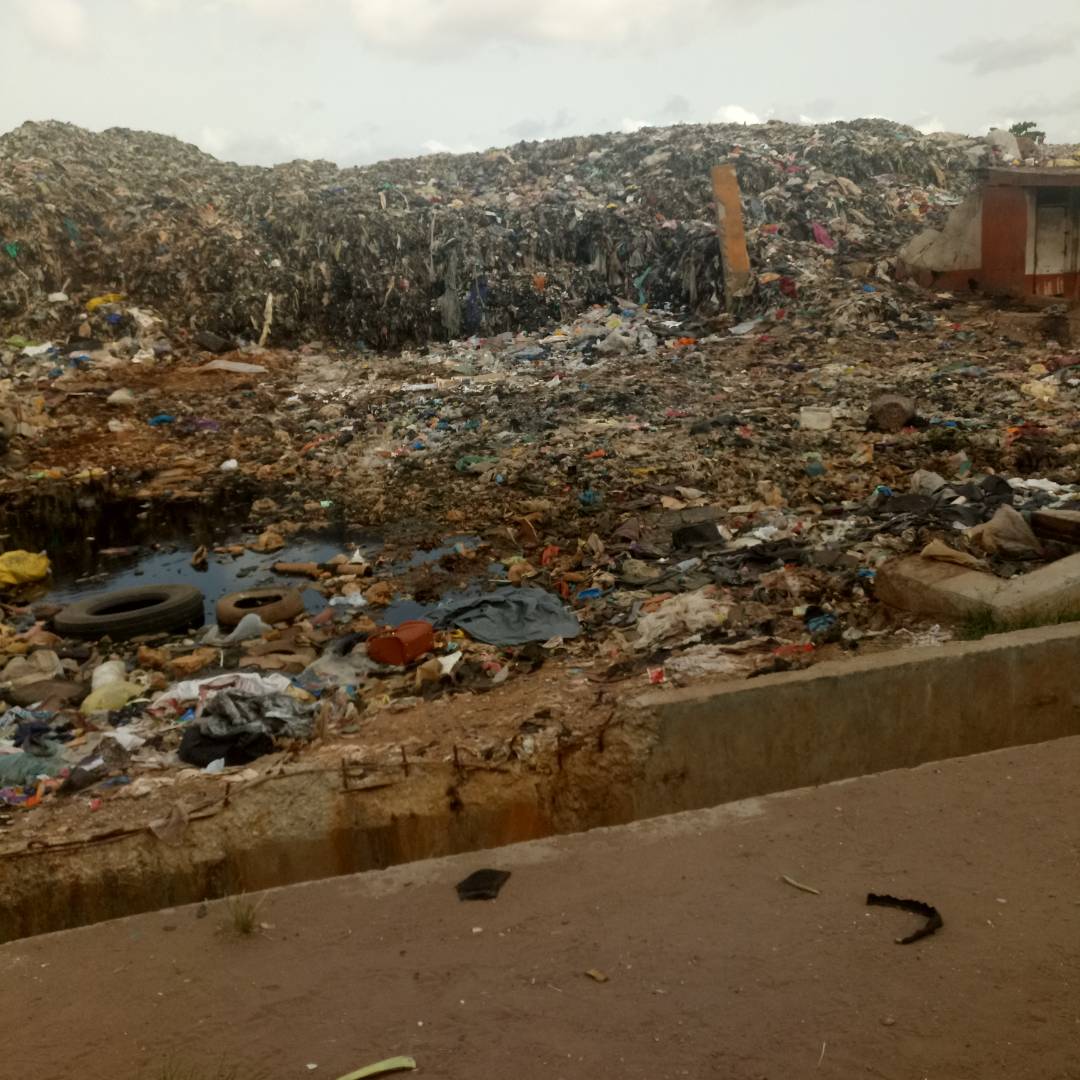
931 587
939 588
1046 592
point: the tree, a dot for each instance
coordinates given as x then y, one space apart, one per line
1028 128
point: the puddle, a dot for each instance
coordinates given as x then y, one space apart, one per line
98 542
171 565
453 545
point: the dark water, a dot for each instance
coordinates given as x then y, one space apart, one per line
75 527
172 566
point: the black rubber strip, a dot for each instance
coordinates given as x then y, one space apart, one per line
934 921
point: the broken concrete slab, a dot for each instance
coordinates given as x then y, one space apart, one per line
1048 592
932 587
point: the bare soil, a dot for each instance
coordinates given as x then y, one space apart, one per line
715 966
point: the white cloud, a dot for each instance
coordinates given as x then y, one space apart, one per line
277 9
249 147
736 114
629 126
986 57
54 24
929 125
579 22
434 146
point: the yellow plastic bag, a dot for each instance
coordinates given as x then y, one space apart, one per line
101 301
22 567
110 697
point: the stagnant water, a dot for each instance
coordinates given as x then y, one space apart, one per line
98 541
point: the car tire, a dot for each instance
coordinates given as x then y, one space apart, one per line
271 605
127 613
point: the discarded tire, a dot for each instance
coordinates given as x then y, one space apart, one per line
271 605
125 613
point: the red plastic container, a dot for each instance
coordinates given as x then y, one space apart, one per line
402 646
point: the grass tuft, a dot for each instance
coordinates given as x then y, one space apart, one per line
243 914
983 623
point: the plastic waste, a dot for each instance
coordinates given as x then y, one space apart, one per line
203 690
249 627
510 616
112 671
111 696
1006 533
680 617
23 568
402 645
815 418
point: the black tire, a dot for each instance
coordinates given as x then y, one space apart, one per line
271 605
126 613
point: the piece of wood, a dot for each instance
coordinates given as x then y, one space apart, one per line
1061 525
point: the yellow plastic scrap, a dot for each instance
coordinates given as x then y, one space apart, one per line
101 301
110 697
22 567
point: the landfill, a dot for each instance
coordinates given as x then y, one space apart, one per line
481 426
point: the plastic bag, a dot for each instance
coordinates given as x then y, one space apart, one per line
680 617
23 567
1006 533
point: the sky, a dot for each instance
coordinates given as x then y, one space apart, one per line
356 81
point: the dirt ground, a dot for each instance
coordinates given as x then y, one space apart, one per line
715 966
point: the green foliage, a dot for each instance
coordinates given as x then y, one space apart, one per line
1030 129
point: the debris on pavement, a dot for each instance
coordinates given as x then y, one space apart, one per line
482 885
934 921
382 1068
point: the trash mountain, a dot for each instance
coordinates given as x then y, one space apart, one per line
405 252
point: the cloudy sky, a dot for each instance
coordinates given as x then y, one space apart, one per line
262 81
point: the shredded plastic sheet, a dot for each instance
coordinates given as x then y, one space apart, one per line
203 690
508 617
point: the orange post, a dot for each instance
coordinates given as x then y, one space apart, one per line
734 257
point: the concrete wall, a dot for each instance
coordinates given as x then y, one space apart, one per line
956 248
847 719
661 753
1001 240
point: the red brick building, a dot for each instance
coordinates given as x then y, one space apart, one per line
1018 234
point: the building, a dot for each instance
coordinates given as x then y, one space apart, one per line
1017 235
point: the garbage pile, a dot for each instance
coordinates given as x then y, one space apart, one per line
405 252
576 497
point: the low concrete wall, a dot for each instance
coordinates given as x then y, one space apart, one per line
662 753
846 719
